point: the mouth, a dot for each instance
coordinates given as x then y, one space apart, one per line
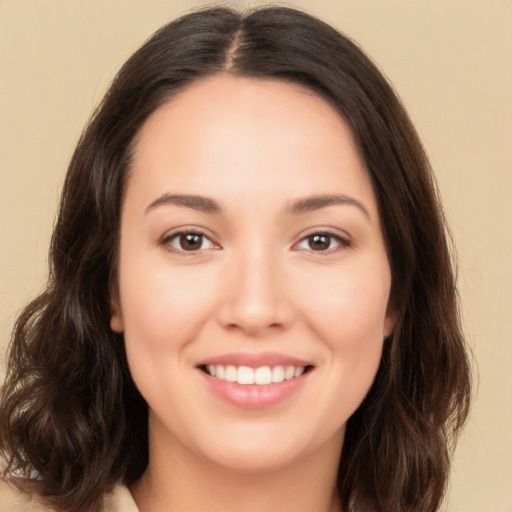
259 376
255 380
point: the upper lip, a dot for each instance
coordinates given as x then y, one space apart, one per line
254 360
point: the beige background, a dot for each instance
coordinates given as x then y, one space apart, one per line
451 62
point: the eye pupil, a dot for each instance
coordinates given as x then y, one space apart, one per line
319 242
191 241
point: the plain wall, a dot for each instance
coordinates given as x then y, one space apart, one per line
450 61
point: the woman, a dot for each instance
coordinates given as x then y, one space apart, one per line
251 300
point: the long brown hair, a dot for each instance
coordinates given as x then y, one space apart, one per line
71 420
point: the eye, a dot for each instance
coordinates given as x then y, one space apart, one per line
323 242
188 241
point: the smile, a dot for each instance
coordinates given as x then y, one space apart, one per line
255 380
261 376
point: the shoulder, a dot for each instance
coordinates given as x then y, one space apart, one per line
13 499
119 500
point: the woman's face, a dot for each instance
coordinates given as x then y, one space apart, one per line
251 250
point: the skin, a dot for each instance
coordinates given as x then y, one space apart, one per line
256 283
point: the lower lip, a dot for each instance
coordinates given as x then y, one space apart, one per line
254 396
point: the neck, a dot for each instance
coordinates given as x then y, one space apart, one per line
180 481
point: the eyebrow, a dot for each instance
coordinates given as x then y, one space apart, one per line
312 203
200 203
308 204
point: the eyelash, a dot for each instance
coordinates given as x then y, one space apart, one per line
167 239
343 243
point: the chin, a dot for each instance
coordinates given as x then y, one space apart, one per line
250 460
263 450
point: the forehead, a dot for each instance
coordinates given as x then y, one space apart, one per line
256 104
228 135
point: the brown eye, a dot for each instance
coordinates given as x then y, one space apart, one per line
319 242
190 241
323 242
187 241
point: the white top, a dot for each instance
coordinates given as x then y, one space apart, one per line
13 500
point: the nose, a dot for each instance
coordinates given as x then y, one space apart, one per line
255 298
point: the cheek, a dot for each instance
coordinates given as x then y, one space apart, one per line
161 305
349 318
350 304
163 311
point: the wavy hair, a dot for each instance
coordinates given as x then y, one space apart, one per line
71 420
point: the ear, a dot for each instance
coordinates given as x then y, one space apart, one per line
116 316
116 322
390 319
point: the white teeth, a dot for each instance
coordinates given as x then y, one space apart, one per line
261 376
277 374
230 375
245 375
289 372
298 372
